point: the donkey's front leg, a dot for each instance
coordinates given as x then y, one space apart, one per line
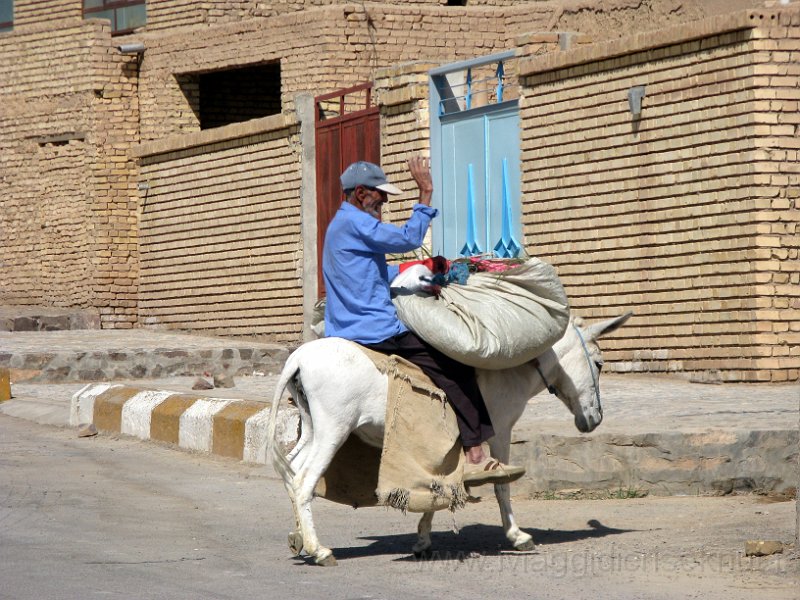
500 446
422 549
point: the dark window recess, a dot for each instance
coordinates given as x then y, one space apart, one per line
456 2
237 95
6 15
125 15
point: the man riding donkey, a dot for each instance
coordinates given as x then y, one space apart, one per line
359 305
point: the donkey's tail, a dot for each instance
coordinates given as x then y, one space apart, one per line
279 461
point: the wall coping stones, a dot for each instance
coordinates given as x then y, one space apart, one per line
648 40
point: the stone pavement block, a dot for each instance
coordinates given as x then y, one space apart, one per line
108 407
5 385
197 424
229 427
165 420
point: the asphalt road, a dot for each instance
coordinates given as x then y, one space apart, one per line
113 517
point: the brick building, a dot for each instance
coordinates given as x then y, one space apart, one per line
158 158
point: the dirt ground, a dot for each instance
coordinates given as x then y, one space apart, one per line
656 547
101 516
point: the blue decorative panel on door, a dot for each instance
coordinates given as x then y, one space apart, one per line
475 160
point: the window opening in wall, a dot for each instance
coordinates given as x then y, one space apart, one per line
456 2
234 95
125 15
6 15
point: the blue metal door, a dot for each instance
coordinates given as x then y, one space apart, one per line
475 161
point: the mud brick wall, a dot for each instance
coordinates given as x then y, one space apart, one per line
610 17
220 245
319 51
777 178
166 14
402 95
161 14
324 47
39 12
681 215
170 14
68 218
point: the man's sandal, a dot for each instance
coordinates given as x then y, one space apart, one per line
490 470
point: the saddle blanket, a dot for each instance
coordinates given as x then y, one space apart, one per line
421 464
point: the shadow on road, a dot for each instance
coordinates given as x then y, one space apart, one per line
473 539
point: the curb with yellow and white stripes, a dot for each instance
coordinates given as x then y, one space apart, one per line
222 426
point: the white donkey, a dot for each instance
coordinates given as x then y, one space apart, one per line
339 391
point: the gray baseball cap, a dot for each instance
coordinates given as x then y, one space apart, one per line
369 175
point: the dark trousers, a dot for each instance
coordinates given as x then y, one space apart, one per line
456 379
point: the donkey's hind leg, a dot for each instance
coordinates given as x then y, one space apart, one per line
320 454
295 538
422 549
297 457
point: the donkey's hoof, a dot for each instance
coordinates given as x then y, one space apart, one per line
296 542
424 554
328 561
528 546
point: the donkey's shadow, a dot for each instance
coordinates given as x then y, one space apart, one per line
471 540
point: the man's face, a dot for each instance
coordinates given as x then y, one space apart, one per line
372 200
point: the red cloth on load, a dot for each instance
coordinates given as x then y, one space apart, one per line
436 264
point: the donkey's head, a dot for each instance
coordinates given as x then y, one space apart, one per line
575 376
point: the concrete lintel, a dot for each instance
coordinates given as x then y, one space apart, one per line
225 133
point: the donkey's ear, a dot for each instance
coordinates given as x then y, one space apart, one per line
598 330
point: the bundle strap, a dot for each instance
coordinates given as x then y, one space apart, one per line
550 388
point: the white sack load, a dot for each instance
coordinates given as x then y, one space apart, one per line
495 321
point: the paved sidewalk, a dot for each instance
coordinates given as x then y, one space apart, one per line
634 403
631 403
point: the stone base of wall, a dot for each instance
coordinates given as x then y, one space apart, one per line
43 318
107 355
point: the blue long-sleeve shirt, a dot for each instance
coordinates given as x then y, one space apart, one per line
359 304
